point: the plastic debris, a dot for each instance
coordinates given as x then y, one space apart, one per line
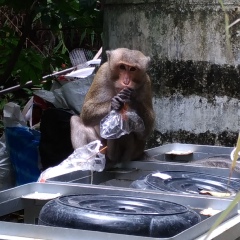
119 123
85 158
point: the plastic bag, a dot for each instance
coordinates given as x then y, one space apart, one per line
84 158
69 96
119 123
22 144
6 171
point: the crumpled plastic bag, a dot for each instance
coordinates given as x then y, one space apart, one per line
85 158
22 144
6 171
12 116
119 123
69 96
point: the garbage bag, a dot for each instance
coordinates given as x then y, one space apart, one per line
55 142
22 145
6 171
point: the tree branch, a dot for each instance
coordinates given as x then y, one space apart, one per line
16 53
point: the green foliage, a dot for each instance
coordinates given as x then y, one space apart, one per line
29 66
7 43
6 98
36 37
17 5
53 29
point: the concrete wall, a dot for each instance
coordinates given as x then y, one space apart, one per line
196 80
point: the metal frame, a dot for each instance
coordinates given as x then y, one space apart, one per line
18 198
13 200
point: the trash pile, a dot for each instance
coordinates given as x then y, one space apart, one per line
37 139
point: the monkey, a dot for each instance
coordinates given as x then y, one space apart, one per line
122 79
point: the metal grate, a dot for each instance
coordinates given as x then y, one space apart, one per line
80 56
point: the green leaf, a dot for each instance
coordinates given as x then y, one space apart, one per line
235 155
56 49
83 35
87 3
92 37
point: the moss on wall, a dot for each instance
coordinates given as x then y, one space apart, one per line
194 78
225 138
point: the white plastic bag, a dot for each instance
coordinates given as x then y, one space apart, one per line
119 123
84 158
22 144
6 171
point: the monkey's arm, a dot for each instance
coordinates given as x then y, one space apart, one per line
92 113
97 103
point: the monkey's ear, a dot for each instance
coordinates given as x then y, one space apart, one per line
147 61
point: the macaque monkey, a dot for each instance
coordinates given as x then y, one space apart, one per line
122 79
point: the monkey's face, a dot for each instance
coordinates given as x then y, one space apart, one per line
128 76
127 68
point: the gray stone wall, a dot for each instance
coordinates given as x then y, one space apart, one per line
196 80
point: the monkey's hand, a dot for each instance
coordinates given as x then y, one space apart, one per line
122 97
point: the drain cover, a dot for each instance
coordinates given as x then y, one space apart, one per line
118 214
187 182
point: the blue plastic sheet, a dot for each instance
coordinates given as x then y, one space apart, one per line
22 144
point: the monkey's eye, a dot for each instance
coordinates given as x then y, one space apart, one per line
132 69
122 67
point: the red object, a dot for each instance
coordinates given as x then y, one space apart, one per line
39 105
